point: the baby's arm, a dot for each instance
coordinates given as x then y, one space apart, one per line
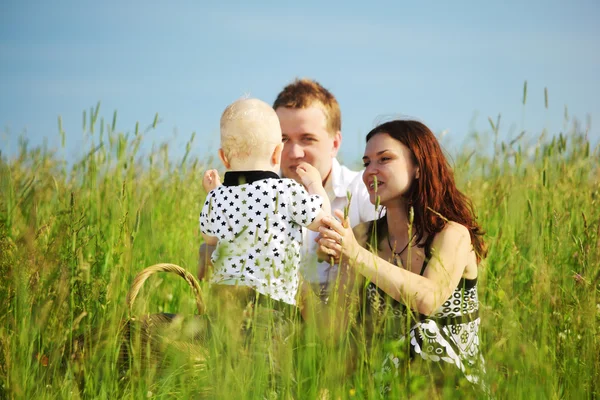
312 181
210 181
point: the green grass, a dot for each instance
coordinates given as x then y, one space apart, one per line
73 238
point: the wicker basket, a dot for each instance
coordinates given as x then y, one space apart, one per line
155 338
140 278
151 343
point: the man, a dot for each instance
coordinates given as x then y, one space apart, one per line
311 126
310 121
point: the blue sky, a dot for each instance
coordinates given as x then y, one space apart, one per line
450 64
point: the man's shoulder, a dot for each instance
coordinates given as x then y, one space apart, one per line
361 208
356 185
347 174
343 178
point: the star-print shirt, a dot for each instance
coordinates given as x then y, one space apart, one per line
258 218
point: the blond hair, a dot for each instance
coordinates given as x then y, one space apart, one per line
304 93
249 127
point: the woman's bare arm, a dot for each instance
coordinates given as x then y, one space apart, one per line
451 253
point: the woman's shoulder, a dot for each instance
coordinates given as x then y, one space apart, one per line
456 238
455 229
453 234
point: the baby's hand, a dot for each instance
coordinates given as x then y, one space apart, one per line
309 176
211 180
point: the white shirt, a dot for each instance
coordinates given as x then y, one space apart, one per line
341 180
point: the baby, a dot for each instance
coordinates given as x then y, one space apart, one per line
255 217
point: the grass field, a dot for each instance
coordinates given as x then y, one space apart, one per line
72 239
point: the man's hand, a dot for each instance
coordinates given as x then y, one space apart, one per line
211 180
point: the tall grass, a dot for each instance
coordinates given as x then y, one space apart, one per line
73 237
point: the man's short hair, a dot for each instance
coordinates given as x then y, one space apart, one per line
304 93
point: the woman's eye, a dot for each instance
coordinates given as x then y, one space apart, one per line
366 164
283 140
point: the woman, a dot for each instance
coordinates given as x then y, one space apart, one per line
419 260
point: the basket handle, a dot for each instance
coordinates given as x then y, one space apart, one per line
141 277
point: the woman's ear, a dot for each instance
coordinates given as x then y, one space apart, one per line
417 173
224 159
276 156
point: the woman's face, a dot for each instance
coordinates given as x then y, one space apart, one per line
391 163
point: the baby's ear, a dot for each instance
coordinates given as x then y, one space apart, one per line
224 159
276 156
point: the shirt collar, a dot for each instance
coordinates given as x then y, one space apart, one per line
338 180
235 178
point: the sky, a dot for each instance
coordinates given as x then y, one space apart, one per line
449 64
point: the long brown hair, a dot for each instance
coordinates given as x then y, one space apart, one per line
434 197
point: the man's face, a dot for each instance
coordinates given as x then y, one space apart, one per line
306 139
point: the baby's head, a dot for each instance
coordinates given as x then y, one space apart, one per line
250 136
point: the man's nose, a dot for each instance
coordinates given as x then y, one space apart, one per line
295 150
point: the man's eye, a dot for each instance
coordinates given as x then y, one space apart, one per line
309 139
366 164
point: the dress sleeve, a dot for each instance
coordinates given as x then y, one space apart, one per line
206 215
302 206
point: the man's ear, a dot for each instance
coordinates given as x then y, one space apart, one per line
224 159
337 142
276 156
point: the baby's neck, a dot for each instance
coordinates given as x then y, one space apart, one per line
255 165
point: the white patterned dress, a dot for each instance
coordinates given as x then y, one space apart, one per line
450 335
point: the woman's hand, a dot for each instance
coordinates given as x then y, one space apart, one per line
322 256
337 239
